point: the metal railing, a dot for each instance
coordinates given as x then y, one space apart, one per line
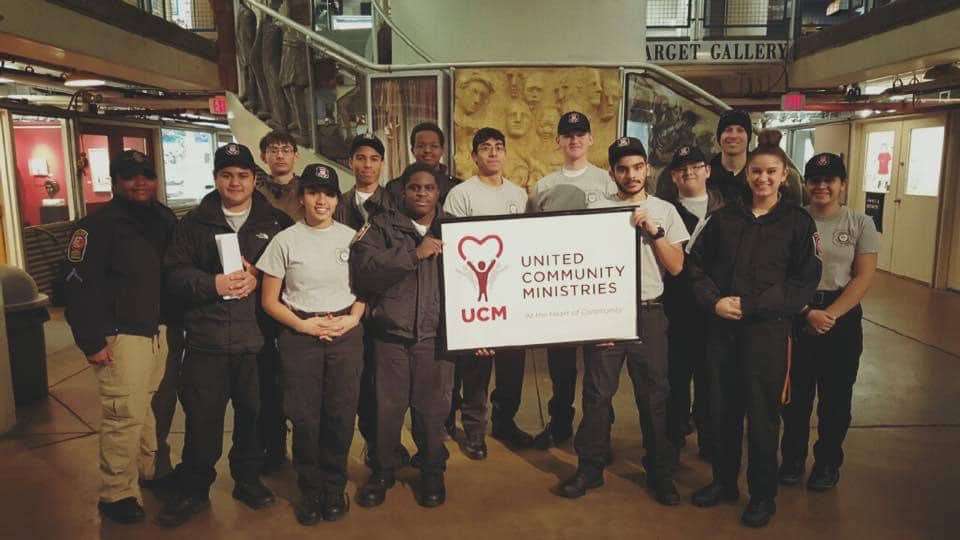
193 15
813 17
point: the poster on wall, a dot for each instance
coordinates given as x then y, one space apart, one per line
99 160
517 281
874 208
926 153
526 105
879 162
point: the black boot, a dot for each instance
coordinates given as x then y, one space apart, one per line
758 512
124 511
374 492
432 490
578 484
712 494
791 472
823 477
253 494
181 508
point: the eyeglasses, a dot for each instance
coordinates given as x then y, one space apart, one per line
497 148
689 169
281 150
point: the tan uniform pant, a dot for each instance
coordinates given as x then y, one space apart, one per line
128 438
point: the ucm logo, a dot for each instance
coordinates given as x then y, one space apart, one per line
481 254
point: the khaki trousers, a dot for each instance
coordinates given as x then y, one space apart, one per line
128 438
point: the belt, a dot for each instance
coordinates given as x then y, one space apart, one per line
311 314
652 303
825 298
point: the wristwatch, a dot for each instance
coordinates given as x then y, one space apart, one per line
660 233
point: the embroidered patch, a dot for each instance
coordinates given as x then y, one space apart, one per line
684 151
823 160
573 118
74 275
343 256
322 172
138 157
78 246
817 247
363 230
623 141
513 209
843 238
592 197
233 149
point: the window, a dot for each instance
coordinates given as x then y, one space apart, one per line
187 165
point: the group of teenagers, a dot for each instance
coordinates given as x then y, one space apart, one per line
335 321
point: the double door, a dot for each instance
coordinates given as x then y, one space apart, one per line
901 179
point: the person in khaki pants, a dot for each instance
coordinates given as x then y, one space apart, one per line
114 291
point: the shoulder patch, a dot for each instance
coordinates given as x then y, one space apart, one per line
363 230
817 246
78 246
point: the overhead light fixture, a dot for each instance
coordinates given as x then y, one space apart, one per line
79 79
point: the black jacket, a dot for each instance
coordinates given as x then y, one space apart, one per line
213 324
348 212
733 187
678 298
402 292
114 272
772 262
447 182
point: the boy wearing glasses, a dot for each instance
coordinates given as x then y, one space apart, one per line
279 151
695 204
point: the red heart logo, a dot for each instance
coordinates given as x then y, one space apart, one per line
472 240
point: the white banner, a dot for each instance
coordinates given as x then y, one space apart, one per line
524 280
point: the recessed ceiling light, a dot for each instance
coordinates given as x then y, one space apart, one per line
79 79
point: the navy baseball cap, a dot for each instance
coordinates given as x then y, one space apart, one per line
825 165
318 176
233 155
573 122
367 139
685 155
625 146
130 163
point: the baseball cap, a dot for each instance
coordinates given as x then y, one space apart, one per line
367 139
625 146
573 122
735 117
825 165
130 163
317 176
685 155
233 155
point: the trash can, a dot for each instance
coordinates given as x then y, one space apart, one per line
26 311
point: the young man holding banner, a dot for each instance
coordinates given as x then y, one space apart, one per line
663 234
576 185
489 193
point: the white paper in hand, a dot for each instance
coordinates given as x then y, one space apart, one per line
228 246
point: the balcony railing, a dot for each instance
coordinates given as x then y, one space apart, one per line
193 15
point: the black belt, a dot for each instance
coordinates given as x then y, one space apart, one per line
653 303
311 314
822 299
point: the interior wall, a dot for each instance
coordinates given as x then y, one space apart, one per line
950 226
569 31
37 141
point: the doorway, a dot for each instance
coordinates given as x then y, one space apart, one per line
901 180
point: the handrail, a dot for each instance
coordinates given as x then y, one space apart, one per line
342 54
400 33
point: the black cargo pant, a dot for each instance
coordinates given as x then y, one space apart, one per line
411 374
562 364
825 366
273 421
207 382
367 406
321 382
475 373
687 358
746 372
647 365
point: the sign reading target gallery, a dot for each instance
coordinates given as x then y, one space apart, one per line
524 280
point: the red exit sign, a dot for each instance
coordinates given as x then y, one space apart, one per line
218 105
793 101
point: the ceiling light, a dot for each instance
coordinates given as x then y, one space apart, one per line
79 79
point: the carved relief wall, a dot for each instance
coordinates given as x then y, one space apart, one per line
526 104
